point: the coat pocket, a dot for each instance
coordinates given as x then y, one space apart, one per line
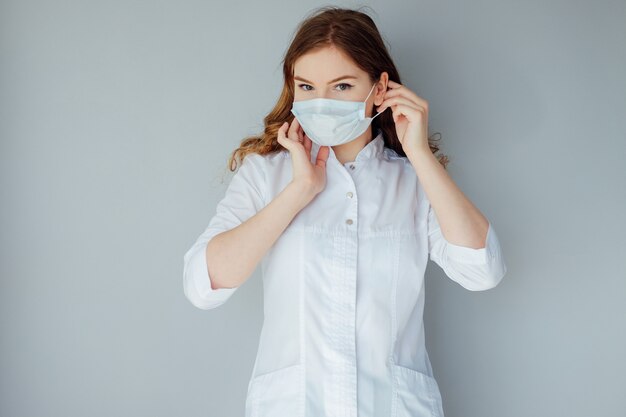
276 394
415 394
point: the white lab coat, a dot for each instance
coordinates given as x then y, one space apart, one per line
343 287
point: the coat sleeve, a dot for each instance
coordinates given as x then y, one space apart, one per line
243 198
474 269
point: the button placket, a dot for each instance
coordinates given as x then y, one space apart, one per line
346 376
352 210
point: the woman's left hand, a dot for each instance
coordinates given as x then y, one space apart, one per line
410 114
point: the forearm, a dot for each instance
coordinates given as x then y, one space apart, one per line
460 221
233 255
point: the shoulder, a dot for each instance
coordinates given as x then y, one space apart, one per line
392 155
394 158
408 171
266 163
267 167
262 161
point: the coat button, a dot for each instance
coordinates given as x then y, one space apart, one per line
351 166
349 221
349 194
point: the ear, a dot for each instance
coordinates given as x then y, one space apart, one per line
381 88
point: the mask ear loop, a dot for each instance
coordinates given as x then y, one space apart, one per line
368 96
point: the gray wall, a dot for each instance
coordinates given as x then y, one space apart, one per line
116 121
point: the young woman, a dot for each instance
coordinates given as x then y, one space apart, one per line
342 208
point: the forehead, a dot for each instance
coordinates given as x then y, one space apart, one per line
325 64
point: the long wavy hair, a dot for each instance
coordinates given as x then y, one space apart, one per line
355 33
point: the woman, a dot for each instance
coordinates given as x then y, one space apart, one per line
342 210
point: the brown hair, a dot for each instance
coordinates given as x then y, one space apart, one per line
355 33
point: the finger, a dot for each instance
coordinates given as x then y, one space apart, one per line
322 156
405 92
293 130
389 102
308 144
399 89
282 138
411 113
300 132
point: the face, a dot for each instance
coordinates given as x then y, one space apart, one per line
329 73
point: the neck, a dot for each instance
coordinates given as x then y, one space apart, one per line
347 152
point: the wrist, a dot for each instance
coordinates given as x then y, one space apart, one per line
419 153
304 191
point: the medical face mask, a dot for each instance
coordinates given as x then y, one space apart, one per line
330 122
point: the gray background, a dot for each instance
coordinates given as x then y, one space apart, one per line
116 121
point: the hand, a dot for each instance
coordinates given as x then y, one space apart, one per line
410 114
309 175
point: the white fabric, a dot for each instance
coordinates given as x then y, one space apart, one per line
343 287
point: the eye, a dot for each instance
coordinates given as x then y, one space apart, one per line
348 86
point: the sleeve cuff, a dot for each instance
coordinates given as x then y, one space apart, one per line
467 255
206 296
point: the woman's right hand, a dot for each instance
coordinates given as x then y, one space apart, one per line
312 177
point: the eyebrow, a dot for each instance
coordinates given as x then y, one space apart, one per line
330 82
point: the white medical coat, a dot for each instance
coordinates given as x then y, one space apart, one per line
343 287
